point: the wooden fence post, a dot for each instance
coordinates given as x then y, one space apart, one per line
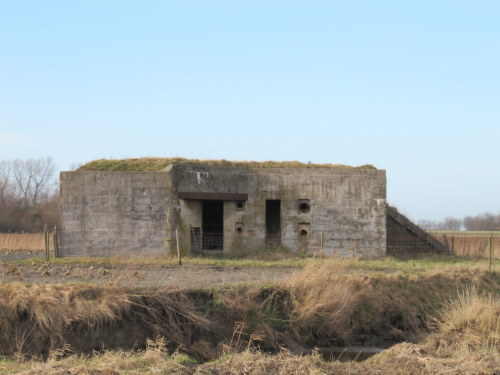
47 239
490 248
55 241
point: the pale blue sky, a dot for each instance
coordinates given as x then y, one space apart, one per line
413 88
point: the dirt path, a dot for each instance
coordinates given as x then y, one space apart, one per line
143 276
9 255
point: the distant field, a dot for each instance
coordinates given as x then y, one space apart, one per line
469 243
23 241
466 232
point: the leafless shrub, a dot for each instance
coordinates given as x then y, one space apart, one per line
28 197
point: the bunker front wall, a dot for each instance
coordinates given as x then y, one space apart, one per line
347 207
106 214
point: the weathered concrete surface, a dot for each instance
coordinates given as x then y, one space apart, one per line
139 213
114 213
346 205
406 238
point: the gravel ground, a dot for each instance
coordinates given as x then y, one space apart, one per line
142 276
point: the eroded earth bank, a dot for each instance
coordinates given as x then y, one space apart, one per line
436 322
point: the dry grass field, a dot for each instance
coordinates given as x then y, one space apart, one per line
23 241
469 244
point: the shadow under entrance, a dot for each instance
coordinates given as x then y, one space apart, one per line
273 222
213 225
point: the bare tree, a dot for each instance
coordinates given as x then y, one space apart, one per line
33 179
44 171
428 224
5 183
451 223
28 198
486 221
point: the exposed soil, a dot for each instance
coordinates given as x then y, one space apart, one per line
142 275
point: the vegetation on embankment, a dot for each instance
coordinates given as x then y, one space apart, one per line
318 306
157 164
468 324
402 359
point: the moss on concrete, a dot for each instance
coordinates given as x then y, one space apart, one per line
157 164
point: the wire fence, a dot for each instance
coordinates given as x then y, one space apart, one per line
126 269
461 244
469 243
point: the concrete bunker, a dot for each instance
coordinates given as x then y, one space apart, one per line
221 206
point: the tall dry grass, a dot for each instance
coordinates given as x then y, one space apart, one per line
154 359
401 359
318 306
470 323
37 319
323 299
330 306
23 241
31 313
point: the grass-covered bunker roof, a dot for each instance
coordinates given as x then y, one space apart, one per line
157 164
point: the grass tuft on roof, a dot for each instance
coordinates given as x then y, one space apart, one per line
157 164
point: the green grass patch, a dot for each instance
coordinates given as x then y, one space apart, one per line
191 261
9 365
386 264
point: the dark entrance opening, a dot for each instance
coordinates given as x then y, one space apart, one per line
273 222
213 225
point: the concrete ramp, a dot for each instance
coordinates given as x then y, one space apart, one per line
406 238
